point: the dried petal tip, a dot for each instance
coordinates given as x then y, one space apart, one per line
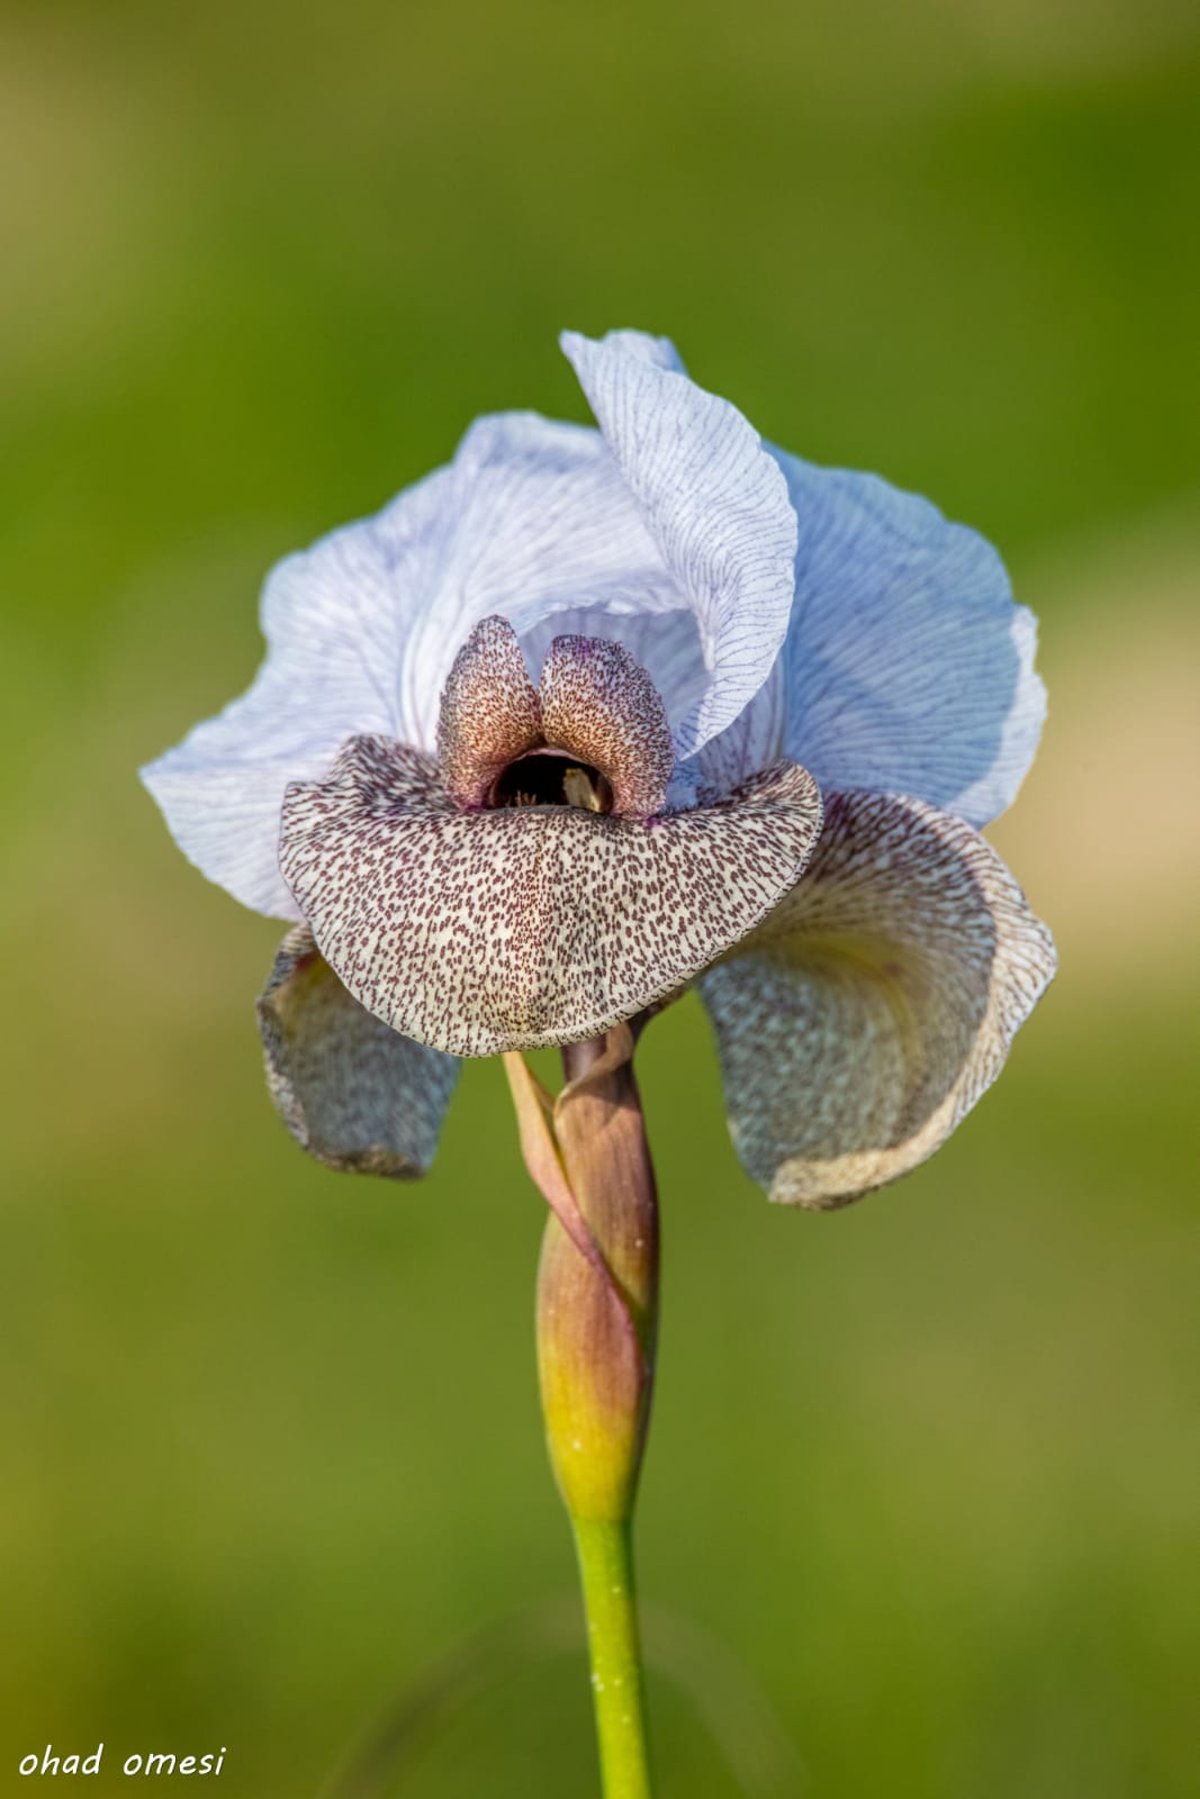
355 1094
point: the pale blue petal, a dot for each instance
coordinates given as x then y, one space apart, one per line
716 503
336 628
752 742
909 668
659 352
539 520
666 644
531 518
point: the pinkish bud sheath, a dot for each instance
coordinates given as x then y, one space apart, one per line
598 1277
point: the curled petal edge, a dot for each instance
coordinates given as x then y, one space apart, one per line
357 1096
861 1023
716 502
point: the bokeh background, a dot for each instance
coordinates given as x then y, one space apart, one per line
921 1500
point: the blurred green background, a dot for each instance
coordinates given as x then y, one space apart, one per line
925 1470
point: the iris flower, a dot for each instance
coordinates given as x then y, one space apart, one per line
587 717
591 715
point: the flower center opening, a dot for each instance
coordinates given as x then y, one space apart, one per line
548 778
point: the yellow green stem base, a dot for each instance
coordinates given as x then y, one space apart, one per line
606 1572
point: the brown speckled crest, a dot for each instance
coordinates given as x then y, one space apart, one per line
861 1023
488 930
355 1094
595 703
490 713
602 706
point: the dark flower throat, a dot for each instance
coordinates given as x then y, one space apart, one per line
548 778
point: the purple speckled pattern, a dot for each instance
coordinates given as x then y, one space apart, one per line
483 931
490 712
602 706
356 1095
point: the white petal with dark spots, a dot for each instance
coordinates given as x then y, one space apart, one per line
357 1095
478 932
864 1019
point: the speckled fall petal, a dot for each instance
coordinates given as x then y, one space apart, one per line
357 1095
864 1019
602 706
479 932
490 713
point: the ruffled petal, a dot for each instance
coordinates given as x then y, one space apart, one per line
716 503
601 705
490 712
531 518
863 1020
538 519
336 625
356 1095
478 932
910 670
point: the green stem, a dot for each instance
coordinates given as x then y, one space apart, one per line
606 1571
597 1310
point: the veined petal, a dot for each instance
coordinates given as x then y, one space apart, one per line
716 503
910 669
362 630
659 352
538 519
863 1020
490 712
335 623
355 1094
754 739
225 819
478 932
666 644
601 705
